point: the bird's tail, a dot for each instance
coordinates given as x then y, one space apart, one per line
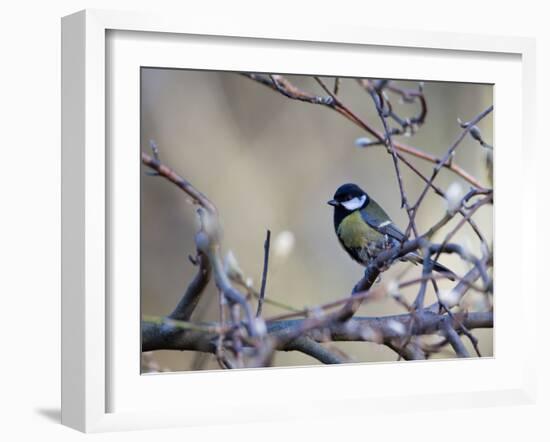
417 259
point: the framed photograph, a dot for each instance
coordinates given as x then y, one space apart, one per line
286 223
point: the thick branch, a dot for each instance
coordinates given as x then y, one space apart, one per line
455 341
314 349
169 336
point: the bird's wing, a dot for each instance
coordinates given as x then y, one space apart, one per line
379 220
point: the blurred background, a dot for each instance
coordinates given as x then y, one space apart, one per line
269 162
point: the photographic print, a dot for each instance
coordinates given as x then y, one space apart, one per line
297 220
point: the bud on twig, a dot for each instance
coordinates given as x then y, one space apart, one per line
232 268
363 142
393 289
453 197
449 298
397 327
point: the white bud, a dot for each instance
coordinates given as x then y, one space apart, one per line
283 244
453 197
249 282
397 327
154 147
393 289
231 266
363 142
260 326
449 298
371 335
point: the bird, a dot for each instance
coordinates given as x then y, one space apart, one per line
364 229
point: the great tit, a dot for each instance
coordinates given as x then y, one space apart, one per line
364 229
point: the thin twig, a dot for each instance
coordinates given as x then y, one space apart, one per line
264 274
441 163
336 85
378 100
286 88
164 171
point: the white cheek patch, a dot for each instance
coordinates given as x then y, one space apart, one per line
355 203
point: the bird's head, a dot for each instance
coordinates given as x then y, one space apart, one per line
349 197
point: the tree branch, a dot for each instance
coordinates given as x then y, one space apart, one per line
190 299
455 341
207 241
166 335
264 274
285 87
314 349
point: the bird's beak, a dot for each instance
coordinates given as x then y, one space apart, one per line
332 203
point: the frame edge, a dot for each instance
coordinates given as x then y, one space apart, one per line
73 81
83 289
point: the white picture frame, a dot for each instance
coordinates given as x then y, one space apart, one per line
89 317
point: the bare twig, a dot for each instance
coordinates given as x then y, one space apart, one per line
188 302
264 274
378 100
208 239
445 160
314 349
455 341
336 85
170 175
157 336
283 86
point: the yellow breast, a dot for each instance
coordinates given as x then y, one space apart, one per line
354 232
